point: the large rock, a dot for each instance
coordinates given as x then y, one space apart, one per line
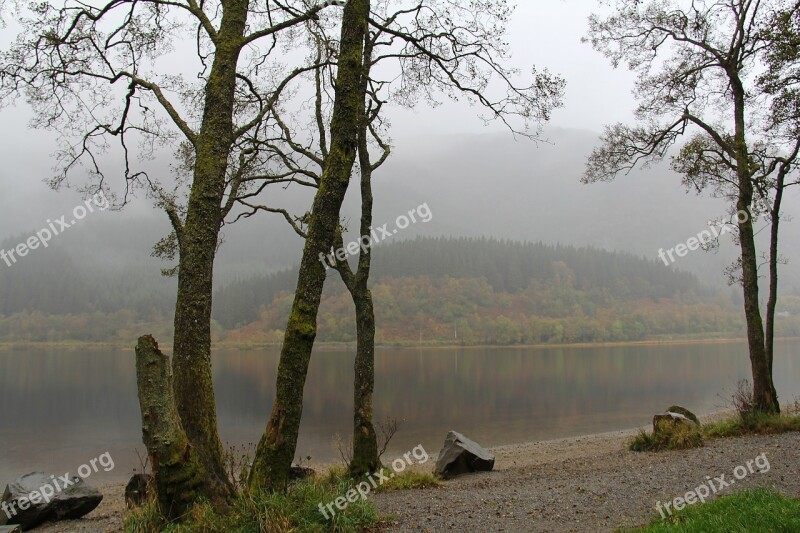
683 411
460 455
674 417
37 497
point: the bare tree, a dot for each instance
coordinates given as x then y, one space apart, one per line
307 160
102 77
438 47
275 450
696 64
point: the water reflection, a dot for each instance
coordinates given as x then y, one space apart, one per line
61 408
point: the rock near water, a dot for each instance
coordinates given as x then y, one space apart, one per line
461 455
674 417
37 497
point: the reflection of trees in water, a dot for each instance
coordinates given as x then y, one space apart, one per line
503 394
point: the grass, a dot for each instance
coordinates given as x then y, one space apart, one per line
753 424
682 438
410 480
737 426
745 422
750 511
296 511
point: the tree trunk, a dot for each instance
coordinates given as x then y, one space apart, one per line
179 475
194 389
764 396
365 441
276 448
772 300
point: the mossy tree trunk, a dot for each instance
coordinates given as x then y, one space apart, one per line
765 398
772 300
198 238
276 448
179 474
365 441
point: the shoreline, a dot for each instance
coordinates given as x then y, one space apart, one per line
222 346
546 460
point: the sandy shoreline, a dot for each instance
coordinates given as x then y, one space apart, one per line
590 482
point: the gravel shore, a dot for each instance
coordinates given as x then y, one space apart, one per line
589 483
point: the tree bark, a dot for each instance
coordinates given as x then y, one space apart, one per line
772 300
194 389
276 448
765 398
365 441
179 474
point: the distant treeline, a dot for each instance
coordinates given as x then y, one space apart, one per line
48 281
507 266
445 290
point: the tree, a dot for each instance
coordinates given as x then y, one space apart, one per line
696 66
307 163
275 451
101 74
782 81
439 45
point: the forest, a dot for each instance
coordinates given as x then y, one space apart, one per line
461 291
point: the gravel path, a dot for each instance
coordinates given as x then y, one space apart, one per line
587 484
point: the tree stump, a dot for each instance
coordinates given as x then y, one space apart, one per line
177 470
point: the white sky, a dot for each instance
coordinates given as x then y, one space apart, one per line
545 33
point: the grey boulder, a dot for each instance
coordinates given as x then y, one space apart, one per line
461 455
37 497
673 418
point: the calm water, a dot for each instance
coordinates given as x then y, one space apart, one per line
60 409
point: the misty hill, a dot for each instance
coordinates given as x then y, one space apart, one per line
432 290
506 266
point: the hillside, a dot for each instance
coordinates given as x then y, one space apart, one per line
485 291
430 290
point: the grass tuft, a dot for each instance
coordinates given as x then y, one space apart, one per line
297 510
410 480
682 437
753 510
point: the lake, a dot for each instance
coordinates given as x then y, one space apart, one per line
61 408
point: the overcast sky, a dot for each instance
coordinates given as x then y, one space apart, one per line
543 33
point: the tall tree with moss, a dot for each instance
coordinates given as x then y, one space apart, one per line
275 451
781 81
439 46
308 164
697 66
103 77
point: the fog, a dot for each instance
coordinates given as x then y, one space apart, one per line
477 179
